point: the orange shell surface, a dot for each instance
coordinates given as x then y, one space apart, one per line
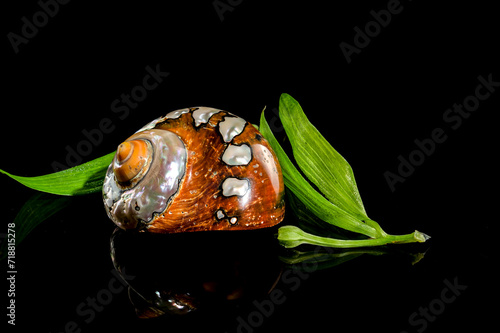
200 203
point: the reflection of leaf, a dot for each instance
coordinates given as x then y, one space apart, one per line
81 179
323 257
37 209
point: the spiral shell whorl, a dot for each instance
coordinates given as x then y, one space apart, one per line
154 162
130 159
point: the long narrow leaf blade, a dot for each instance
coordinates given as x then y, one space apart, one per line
316 202
318 160
82 179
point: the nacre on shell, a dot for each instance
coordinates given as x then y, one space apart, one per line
195 169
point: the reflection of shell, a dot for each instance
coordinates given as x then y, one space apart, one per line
195 169
217 273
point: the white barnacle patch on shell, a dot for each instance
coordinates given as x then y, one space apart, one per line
128 207
202 115
237 155
231 127
220 214
177 113
235 186
171 115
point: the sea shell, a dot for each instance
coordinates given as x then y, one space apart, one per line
195 169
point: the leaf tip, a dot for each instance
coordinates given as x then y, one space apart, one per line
421 237
285 97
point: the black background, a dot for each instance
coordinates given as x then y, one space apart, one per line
396 90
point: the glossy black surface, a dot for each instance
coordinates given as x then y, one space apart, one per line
61 89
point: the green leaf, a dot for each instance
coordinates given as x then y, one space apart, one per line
291 236
37 209
316 202
82 179
319 161
339 203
